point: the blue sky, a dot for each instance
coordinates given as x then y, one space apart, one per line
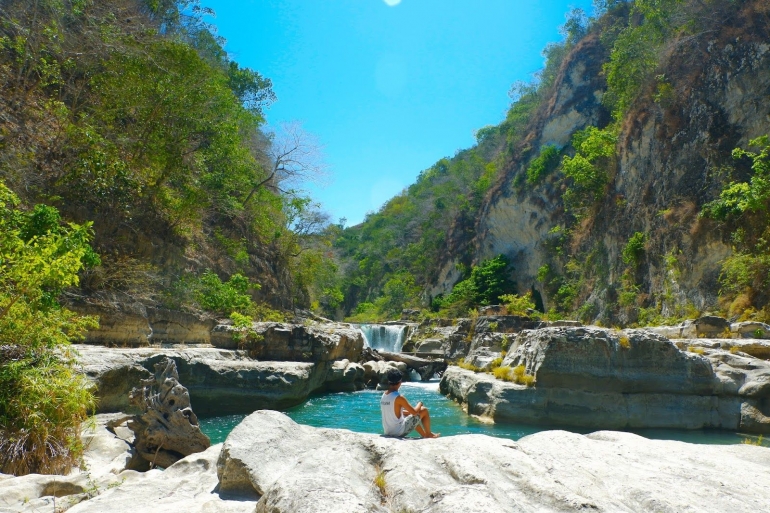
388 87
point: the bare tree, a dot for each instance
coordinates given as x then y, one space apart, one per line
294 156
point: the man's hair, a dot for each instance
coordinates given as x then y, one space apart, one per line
395 376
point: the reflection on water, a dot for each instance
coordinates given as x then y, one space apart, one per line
360 412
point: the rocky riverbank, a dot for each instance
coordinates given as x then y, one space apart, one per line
269 463
606 379
279 367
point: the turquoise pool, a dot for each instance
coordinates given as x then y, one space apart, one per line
359 411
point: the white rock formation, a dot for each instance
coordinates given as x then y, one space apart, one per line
292 468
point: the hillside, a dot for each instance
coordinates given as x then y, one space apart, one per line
604 185
131 115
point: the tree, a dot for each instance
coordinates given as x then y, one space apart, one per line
43 400
293 156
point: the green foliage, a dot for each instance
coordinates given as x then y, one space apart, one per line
43 399
151 130
634 249
518 305
491 280
635 53
743 206
545 163
224 297
587 170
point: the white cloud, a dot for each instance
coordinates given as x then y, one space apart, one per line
392 3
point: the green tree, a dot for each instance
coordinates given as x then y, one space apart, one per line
43 400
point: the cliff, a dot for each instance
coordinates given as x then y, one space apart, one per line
673 155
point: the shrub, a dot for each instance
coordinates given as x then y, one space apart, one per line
503 373
696 350
543 164
518 305
505 343
735 349
634 249
232 295
521 377
496 363
624 342
43 399
467 366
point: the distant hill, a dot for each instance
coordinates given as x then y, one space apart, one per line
608 184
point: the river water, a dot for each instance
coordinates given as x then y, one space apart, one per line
360 412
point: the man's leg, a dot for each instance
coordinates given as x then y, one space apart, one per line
424 427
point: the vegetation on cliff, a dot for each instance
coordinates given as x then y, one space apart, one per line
592 269
132 115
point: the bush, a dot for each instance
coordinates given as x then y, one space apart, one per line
43 400
634 249
518 305
543 164
224 298
503 373
521 377
467 366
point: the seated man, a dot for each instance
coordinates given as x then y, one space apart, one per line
393 406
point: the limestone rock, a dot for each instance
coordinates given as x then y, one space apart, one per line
167 430
288 467
219 381
633 379
345 376
188 486
293 342
750 329
711 326
750 346
376 372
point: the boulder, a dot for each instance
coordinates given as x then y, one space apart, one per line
345 376
750 329
286 467
600 360
376 372
594 377
711 326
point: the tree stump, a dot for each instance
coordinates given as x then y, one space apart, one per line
168 429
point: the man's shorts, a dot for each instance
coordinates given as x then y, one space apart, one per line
410 422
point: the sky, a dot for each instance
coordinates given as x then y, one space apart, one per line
388 87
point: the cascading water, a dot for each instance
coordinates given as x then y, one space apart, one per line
384 337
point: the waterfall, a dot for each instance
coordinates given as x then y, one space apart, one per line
384 337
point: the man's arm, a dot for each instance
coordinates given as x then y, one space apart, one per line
402 403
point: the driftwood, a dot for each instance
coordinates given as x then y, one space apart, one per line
168 429
424 367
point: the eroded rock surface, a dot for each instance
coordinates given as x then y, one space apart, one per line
287 467
594 377
220 381
168 429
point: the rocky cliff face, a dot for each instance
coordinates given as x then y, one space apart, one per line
672 154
